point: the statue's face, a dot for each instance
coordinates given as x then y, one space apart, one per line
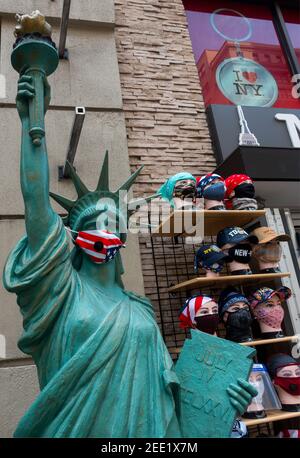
107 218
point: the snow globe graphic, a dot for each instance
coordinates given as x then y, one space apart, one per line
241 80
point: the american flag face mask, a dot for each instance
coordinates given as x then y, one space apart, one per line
100 245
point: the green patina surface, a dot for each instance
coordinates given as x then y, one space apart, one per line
206 367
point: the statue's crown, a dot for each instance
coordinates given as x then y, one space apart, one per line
87 202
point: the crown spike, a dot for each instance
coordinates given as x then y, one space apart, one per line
63 201
103 182
80 187
127 185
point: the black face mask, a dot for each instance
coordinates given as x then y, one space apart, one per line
238 326
240 253
207 323
245 190
185 191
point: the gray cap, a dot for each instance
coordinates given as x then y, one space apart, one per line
279 360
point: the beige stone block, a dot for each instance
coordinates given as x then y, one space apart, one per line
90 77
101 131
90 10
19 387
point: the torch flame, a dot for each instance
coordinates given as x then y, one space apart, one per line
32 23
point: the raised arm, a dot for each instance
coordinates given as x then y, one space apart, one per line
34 170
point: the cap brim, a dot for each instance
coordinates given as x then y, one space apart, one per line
277 238
284 293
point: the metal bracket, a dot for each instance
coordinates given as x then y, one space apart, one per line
62 51
63 170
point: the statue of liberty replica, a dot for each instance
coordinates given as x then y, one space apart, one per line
103 367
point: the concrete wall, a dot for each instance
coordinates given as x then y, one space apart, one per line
89 78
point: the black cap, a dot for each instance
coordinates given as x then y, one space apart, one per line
231 235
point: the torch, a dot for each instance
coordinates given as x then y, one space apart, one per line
35 54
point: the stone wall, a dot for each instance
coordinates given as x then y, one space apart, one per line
164 111
166 125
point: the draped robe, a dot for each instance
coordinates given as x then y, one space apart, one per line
103 368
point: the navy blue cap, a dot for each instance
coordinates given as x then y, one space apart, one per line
277 361
207 255
228 297
231 235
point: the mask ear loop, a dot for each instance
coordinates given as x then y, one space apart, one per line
70 235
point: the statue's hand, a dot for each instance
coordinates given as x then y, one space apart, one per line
26 92
241 395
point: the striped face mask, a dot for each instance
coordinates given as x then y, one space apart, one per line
100 245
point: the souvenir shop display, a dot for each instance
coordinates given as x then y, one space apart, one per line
234 242
200 312
266 398
240 193
211 187
285 373
266 248
211 259
179 190
238 314
266 306
235 313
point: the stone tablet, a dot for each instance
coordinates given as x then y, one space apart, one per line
206 367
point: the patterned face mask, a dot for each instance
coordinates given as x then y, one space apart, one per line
267 252
271 316
100 245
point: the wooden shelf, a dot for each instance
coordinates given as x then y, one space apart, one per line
272 415
179 222
199 282
255 343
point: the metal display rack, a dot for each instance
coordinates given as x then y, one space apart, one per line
174 281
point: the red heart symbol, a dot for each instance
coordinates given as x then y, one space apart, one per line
250 76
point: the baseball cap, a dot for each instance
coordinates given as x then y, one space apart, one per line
231 235
262 294
266 234
279 360
207 255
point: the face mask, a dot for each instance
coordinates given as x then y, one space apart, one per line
100 246
289 384
185 190
207 323
244 203
238 325
240 253
245 190
271 316
216 268
214 192
267 252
